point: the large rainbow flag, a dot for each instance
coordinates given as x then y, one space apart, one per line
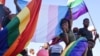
15 36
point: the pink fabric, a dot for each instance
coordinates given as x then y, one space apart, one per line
43 52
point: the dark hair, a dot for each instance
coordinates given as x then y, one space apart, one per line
75 29
23 52
64 20
85 19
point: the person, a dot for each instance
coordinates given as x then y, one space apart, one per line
67 34
84 32
44 50
55 48
75 31
17 6
31 51
5 14
23 53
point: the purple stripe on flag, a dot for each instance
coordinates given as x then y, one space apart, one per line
79 10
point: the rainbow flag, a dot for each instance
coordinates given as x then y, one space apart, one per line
15 36
76 48
49 20
78 8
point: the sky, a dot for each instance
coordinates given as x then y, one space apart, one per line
94 10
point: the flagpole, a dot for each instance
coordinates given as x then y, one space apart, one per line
93 24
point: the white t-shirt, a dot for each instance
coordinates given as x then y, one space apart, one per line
57 48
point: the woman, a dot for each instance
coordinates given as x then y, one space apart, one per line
67 35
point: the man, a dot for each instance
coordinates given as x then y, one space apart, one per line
84 32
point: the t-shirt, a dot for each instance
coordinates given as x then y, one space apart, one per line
71 36
57 48
85 33
43 52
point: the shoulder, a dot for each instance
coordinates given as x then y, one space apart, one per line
81 29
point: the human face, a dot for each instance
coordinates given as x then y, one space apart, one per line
65 26
86 23
32 51
45 45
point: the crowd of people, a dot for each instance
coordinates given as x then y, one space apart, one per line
67 35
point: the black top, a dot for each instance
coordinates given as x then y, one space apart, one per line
85 33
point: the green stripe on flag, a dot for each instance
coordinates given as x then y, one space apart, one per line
75 3
13 30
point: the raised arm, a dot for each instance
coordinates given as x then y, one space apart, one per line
17 6
70 18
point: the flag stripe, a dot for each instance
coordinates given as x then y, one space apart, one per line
80 6
79 10
26 14
79 13
41 25
13 30
75 3
52 21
